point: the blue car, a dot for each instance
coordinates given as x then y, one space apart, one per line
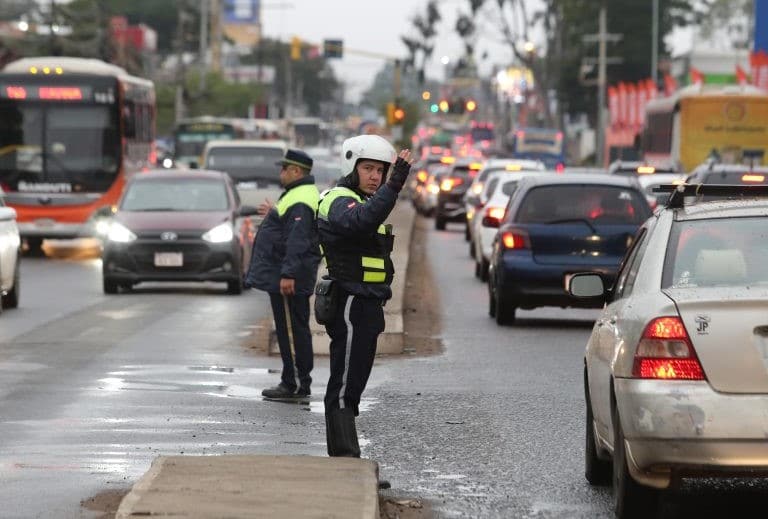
555 226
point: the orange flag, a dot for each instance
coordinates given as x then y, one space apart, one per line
697 78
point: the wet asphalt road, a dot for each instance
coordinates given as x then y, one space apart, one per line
494 426
94 387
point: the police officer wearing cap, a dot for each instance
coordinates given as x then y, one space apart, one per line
284 263
357 246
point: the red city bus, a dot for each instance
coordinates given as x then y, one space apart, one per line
71 131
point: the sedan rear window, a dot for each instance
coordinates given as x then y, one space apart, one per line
176 195
717 252
594 203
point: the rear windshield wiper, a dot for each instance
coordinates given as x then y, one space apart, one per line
574 220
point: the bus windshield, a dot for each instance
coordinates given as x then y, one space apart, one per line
190 138
76 146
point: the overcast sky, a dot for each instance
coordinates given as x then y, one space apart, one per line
374 26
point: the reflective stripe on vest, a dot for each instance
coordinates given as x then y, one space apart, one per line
328 196
304 194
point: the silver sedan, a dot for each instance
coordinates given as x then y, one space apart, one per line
676 368
10 253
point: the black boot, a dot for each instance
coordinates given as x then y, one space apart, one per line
341 434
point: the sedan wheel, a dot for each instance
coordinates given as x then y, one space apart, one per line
11 299
631 499
505 312
596 470
235 287
472 248
484 269
467 236
491 299
110 286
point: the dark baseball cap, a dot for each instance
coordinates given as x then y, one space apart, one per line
296 158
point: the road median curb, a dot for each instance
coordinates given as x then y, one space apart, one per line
255 486
391 340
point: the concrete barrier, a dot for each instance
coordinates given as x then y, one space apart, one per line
391 341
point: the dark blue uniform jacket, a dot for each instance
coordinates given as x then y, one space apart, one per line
286 245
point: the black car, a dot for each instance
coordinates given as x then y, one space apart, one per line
453 186
178 225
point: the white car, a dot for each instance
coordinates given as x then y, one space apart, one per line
649 182
10 253
475 198
499 187
676 367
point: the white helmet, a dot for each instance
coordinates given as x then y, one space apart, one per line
371 147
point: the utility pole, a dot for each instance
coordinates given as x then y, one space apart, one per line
602 38
181 29
215 35
655 42
204 11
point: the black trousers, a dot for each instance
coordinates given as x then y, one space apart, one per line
354 331
297 354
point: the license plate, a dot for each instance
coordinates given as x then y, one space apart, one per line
169 259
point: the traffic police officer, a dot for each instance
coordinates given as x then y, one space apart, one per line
357 246
284 264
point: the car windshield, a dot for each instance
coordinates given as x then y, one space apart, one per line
717 252
175 195
245 163
593 203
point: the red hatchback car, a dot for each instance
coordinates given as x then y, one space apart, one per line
178 225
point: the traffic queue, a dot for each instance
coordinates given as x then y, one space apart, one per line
675 370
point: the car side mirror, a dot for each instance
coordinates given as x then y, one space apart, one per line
247 210
489 221
586 286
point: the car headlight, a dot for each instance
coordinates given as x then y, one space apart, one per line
120 233
220 234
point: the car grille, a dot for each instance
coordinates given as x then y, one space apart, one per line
139 257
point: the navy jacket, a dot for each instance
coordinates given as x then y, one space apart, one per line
286 245
348 220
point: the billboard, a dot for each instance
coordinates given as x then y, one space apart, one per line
241 21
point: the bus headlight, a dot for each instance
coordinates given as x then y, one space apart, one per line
119 233
220 234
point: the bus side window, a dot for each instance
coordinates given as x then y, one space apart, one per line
129 116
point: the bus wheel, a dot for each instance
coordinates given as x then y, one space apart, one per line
34 247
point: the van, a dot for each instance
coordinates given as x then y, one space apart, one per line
252 164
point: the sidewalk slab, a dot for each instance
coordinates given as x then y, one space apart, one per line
391 340
255 486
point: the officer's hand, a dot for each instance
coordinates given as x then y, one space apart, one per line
265 207
400 171
287 286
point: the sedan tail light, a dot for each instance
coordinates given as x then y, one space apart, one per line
665 352
449 183
512 240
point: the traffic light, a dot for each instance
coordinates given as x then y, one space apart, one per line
471 105
444 105
295 48
333 48
399 115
